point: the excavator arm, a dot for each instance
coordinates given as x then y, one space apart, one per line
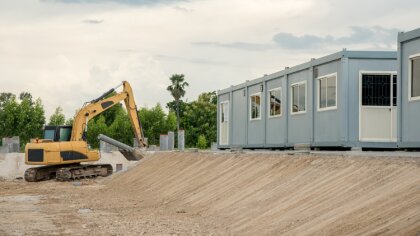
102 103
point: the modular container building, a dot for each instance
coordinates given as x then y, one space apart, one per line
409 104
346 99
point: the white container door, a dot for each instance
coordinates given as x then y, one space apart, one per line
378 107
224 123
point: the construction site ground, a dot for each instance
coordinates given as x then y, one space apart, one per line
221 193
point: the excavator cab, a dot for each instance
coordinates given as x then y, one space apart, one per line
61 133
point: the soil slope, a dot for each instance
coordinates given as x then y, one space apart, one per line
284 194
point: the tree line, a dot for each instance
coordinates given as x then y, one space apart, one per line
24 117
21 116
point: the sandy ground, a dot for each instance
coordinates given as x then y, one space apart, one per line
225 194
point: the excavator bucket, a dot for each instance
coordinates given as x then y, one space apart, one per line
134 155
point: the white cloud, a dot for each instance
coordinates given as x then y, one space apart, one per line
92 21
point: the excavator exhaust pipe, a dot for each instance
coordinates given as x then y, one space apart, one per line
130 153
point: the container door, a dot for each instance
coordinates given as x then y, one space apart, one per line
224 123
378 114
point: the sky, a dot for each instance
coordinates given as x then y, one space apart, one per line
67 52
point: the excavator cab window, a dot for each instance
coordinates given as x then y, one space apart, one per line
65 133
49 134
60 133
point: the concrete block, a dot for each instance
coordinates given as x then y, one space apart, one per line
152 148
10 144
171 140
181 140
163 142
214 146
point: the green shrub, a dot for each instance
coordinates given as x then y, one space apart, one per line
202 142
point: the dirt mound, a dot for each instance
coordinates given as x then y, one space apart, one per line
273 194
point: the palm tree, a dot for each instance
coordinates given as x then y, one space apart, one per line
177 91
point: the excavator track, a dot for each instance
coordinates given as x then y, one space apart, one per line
67 172
83 171
41 173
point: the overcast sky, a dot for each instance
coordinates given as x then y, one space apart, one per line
70 51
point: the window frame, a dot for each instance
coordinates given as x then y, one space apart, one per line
318 80
269 103
410 59
250 106
291 97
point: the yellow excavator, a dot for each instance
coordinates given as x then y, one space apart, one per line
63 148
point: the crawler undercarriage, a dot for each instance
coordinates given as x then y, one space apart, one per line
67 172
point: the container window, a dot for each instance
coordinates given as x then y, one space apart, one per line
415 77
225 113
255 106
376 90
299 98
275 102
327 92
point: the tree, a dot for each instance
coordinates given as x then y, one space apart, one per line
111 113
172 106
9 116
155 122
58 117
25 95
96 127
113 122
202 142
38 119
24 119
121 128
171 121
31 119
7 105
177 90
5 97
200 118
69 121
